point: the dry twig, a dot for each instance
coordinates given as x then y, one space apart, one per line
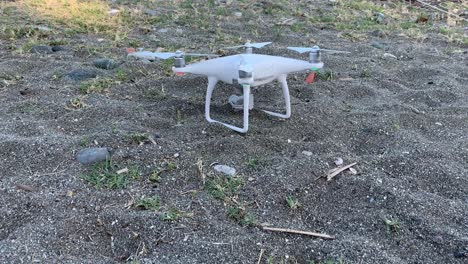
337 171
293 231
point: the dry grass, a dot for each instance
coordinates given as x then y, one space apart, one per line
87 16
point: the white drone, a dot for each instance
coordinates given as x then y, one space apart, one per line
247 70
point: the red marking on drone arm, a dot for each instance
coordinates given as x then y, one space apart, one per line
180 73
130 50
310 78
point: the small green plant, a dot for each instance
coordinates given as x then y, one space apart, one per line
84 141
155 177
292 202
240 215
138 138
392 224
222 187
253 163
326 75
148 203
103 175
96 86
134 172
121 75
77 103
173 214
365 73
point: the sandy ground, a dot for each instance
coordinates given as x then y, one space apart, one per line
404 121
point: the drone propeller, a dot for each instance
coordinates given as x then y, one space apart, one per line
257 45
166 55
316 49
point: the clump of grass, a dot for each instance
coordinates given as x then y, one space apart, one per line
326 75
148 203
292 202
96 86
134 172
222 187
392 224
77 103
252 162
103 175
173 214
365 73
138 138
83 16
239 214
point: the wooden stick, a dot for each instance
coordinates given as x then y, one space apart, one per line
336 172
285 230
25 187
260 257
441 10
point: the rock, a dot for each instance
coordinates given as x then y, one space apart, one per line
41 49
163 30
377 45
307 153
106 64
237 14
150 12
389 55
338 161
379 33
353 171
225 169
380 18
57 48
92 155
113 12
82 74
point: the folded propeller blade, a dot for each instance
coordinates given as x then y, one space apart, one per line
257 45
316 48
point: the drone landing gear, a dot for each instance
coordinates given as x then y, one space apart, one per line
246 91
246 103
287 100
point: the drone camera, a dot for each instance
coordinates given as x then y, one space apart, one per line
245 74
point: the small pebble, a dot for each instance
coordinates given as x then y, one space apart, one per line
225 169
377 45
307 153
353 171
250 179
238 14
338 161
92 155
163 30
380 18
106 64
176 155
41 49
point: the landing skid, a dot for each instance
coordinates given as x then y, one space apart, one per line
247 103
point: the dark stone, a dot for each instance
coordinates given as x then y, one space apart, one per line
41 49
377 45
82 74
106 64
57 48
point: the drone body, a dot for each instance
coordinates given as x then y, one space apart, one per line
265 68
247 70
